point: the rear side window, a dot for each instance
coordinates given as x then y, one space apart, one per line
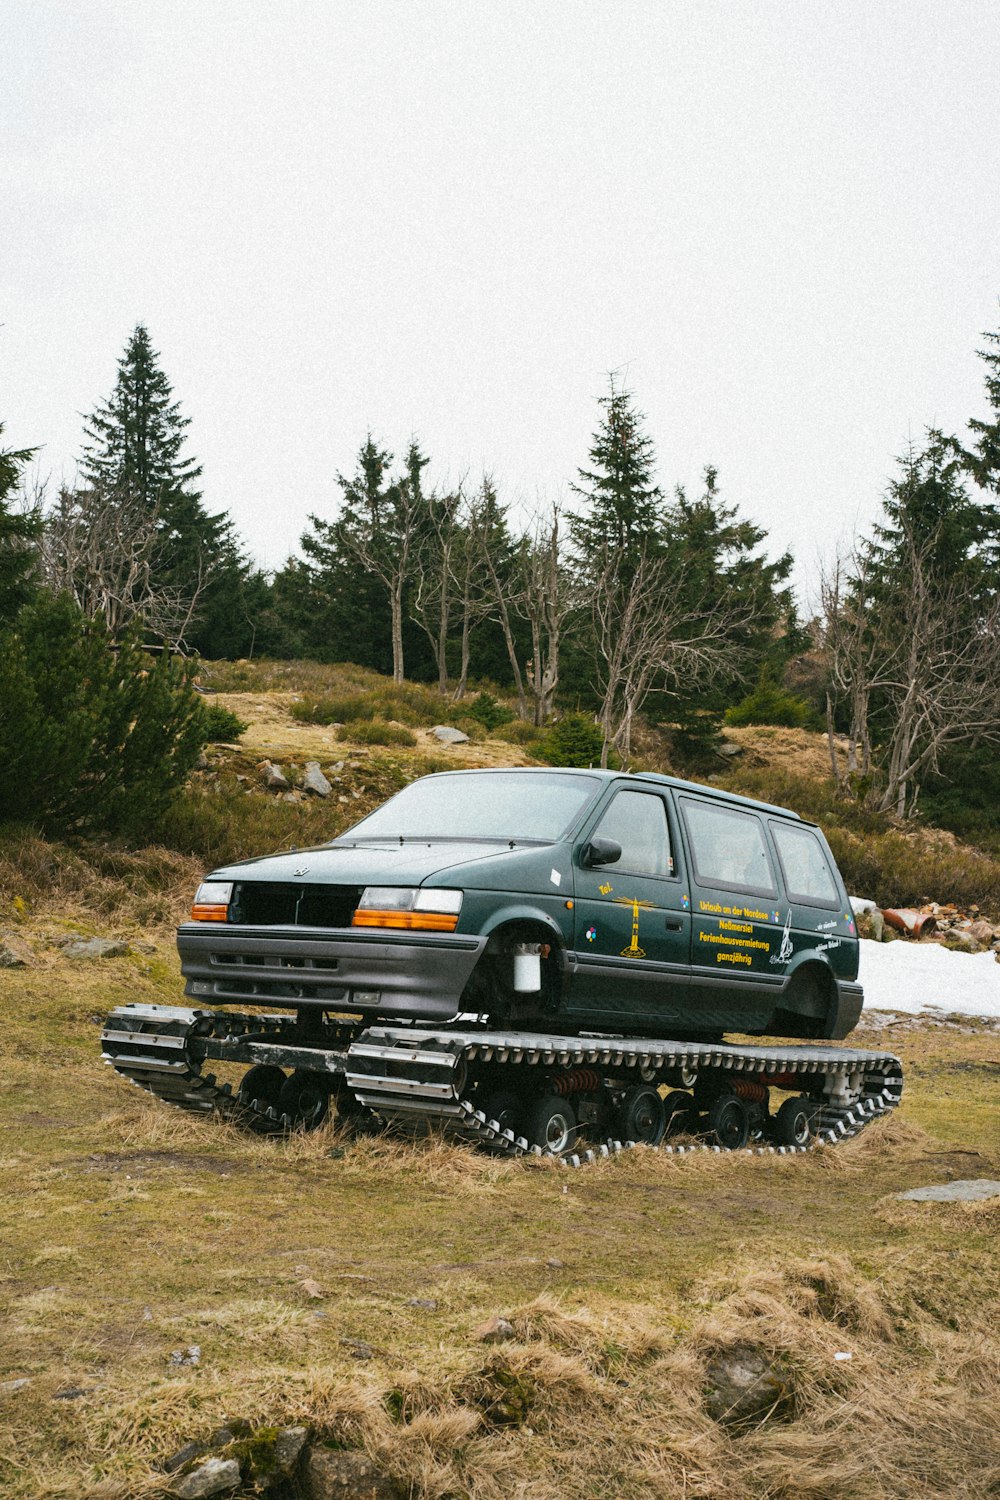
808 877
729 848
638 821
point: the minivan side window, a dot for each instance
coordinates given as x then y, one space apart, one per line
808 878
728 848
638 821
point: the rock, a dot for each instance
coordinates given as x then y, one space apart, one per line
9 1387
727 748
449 736
345 1475
554 1263
314 781
185 1455
982 932
335 769
967 1190
201 764
312 1288
213 1477
70 1393
274 777
290 797
95 948
960 940
495 1330
359 1349
14 954
429 1302
288 1448
189 1356
744 1385
876 921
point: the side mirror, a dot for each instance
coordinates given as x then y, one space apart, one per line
600 852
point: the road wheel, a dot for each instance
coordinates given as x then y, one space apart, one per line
680 1113
262 1083
305 1099
551 1124
641 1115
791 1125
504 1106
729 1122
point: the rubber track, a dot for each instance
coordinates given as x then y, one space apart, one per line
412 1076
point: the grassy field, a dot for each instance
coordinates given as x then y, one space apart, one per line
130 1232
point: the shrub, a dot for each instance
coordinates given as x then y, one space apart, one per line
92 736
489 711
518 732
365 732
574 740
770 703
351 707
220 723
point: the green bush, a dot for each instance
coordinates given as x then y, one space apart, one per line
371 732
489 711
220 723
93 736
518 732
349 708
573 740
770 703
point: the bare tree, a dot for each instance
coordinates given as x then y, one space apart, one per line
918 670
647 636
437 576
102 547
386 545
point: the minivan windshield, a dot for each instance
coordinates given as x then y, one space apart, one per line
516 805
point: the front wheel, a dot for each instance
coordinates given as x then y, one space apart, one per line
551 1124
305 1099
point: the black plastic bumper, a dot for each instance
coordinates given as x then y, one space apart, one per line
376 973
847 1008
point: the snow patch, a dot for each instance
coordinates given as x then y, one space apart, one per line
926 979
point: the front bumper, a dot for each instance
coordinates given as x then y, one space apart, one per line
373 972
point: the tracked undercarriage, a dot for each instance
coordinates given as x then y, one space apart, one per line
576 1097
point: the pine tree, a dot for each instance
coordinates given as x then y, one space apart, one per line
134 446
17 533
622 499
983 461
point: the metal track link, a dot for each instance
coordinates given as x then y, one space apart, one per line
156 1047
384 1058
413 1076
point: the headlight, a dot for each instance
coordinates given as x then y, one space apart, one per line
409 907
211 901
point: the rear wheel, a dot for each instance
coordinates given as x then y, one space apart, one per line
641 1115
551 1124
791 1125
729 1121
262 1085
503 1106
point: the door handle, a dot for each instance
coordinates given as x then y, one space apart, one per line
673 926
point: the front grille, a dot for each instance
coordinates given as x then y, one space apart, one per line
262 904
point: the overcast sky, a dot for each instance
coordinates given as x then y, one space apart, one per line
452 219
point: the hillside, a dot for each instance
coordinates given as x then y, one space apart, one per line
165 1276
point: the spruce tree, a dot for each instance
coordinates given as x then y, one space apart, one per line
17 533
622 498
135 446
983 460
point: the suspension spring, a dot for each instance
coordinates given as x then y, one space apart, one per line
746 1088
576 1081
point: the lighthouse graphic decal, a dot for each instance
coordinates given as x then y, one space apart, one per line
633 950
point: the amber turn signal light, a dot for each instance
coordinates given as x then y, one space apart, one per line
428 921
202 911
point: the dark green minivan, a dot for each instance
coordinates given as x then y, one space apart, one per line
584 900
